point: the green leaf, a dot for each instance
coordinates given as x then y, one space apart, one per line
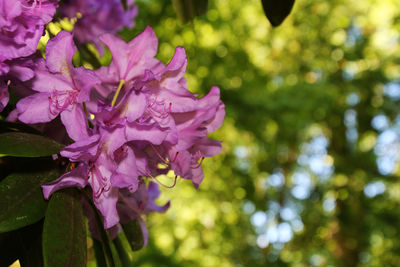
8 126
64 231
19 144
8 248
187 10
121 249
99 253
134 234
277 10
21 201
30 240
110 253
23 244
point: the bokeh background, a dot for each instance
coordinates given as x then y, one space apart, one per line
309 172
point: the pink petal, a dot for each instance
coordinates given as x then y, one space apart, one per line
35 109
75 122
119 51
59 53
76 177
151 133
107 205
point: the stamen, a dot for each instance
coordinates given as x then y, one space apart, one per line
176 156
71 166
160 183
35 3
158 154
158 114
199 164
99 192
119 153
102 182
121 83
50 104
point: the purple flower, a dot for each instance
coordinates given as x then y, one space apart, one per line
186 119
97 17
61 88
21 26
143 116
19 72
106 163
4 96
130 60
132 206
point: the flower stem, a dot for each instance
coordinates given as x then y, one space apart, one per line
121 83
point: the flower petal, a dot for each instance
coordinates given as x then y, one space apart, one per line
151 133
119 51
59 53
107 205
35 109
76 177
126 173
83 149
75 122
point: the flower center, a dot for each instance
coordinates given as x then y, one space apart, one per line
159 109
59 101
98 181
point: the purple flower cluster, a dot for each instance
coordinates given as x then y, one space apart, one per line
96 17
22 24
143 122
126 123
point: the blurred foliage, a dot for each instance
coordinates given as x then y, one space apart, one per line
309 171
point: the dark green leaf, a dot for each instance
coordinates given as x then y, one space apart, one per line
109 251
23 244
188 9
121 249
64 230
8 126
21 201
277 10
29 241
134 234
9 248
99 253
18 144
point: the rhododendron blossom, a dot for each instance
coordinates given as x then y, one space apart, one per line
123 125
61 88
96 17
142 116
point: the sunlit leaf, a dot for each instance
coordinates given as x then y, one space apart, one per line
19 144
21 201
64 231
121 249
277 10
